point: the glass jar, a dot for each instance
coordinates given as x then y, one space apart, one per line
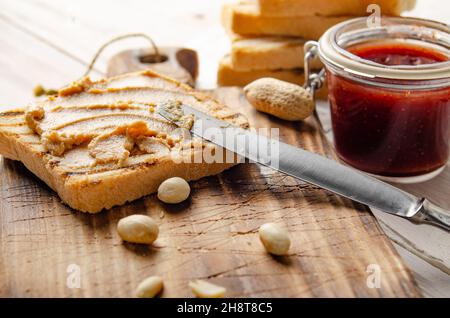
389 93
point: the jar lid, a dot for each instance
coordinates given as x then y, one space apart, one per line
435 35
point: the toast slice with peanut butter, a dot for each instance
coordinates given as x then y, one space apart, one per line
102 144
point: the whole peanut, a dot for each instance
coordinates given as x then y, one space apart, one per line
138 228
275 239
174 190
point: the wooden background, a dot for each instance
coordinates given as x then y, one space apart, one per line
51 42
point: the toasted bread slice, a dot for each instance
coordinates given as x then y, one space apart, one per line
86 176
245 19
268 53
228 76
289 8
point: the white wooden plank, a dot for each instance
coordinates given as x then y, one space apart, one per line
26 62
81 29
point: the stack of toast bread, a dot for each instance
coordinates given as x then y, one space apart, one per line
101 144
267 36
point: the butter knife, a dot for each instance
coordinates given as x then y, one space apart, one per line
312 168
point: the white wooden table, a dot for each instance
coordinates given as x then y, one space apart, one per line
51 42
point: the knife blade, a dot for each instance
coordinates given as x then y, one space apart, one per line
312 168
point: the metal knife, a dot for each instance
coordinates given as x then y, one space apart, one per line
312 168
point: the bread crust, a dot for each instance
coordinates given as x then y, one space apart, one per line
245 19
229 76
283 8
269 53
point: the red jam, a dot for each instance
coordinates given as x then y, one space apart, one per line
397 54
391 132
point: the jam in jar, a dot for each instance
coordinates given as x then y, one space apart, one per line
389 92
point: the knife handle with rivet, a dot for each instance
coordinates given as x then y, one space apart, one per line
432 214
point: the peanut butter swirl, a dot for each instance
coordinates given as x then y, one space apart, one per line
96 126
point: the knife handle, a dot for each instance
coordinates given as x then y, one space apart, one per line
433 214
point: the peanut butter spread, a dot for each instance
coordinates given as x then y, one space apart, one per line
89 128
175 113
99 126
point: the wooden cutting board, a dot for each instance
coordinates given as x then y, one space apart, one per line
338 249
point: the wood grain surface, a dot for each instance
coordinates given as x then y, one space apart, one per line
213 236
